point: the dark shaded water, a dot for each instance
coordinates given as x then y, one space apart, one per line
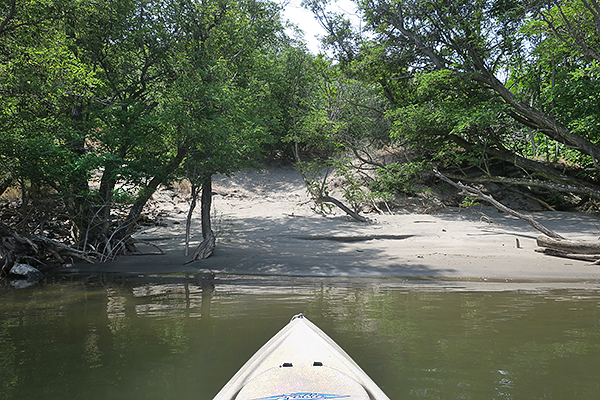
172 338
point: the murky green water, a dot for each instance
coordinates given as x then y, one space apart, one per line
177 339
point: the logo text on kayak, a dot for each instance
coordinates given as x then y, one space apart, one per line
297 396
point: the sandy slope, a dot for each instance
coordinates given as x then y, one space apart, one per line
266 226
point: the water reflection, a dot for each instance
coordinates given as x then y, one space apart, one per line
184 337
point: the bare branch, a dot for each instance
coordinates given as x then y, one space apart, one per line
480 195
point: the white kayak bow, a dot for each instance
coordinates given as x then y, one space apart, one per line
300 362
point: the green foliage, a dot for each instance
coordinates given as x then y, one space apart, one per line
469 202
444 104
471 81
399 178
126 90
355 188
562 77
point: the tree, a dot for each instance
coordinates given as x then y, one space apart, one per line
473 76
127 92
223 115
341 116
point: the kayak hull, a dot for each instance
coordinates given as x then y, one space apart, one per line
300 362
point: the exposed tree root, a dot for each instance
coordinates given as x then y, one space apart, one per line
205 249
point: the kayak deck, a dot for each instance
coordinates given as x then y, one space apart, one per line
300 362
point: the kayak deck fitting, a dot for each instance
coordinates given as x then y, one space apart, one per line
300 362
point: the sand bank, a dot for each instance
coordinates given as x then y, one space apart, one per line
266 226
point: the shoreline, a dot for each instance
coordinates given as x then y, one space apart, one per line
266 227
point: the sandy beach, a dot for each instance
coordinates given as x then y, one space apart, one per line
266 226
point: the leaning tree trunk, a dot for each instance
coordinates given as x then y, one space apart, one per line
332 200
188 221
120 238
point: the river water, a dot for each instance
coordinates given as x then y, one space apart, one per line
180 338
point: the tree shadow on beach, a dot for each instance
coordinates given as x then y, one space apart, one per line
308 246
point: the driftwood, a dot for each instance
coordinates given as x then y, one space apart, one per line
329 199
480 195
15 247
573 249
552 243
595 258
570 246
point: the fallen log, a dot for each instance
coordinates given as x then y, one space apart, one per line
332 200
480 195
595 258
569 246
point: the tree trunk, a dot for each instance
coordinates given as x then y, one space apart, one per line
100 232
206 204
124 231
77 204
207 247
188 220
204 249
